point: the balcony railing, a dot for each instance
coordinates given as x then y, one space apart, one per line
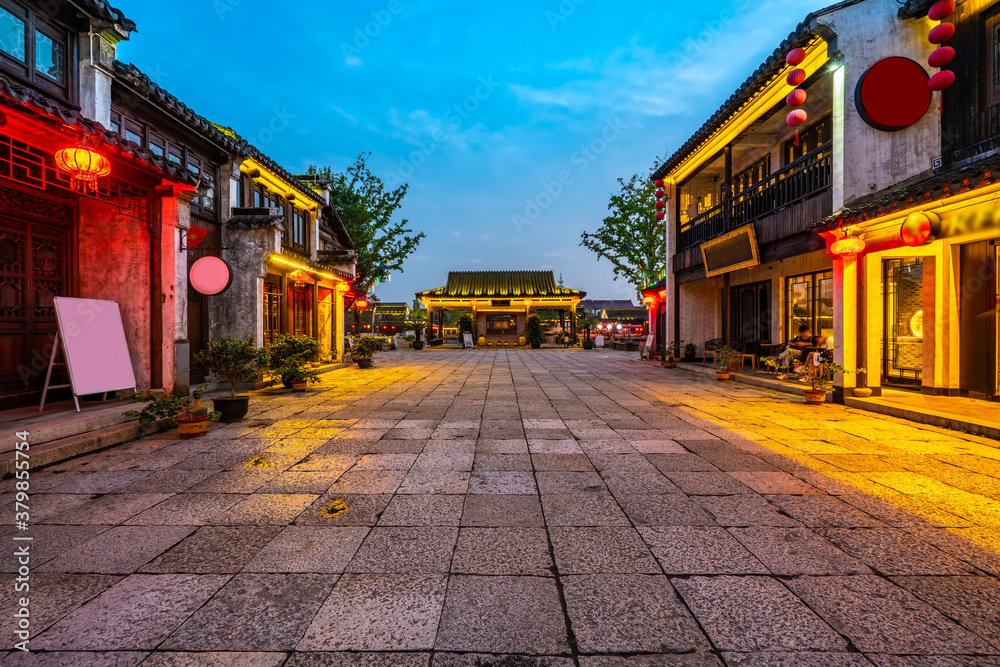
806 177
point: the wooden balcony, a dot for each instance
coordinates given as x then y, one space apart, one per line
805 179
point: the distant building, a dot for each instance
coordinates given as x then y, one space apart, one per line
500 302
623 321
593 307
390 318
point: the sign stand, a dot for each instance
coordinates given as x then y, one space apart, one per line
48 376
92 337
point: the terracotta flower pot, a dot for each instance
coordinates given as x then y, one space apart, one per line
668 363
299 385
193 427
722 376
815 396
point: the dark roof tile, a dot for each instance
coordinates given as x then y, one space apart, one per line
501 285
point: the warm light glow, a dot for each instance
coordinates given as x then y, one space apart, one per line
917 324
84 166
765 99
851 245
361 304
282 260
649 300
527 302
663 294
259 172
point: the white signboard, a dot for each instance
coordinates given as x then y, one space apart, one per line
467 340
598 340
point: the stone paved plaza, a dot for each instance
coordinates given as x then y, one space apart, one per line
519 508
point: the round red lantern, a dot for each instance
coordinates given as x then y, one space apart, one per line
916 230
796 77
941 57
850 245
660 194
659 182
84 167
941 80
941 10
361 304
941 33
660 215
796 97
797 117
795 56
660 205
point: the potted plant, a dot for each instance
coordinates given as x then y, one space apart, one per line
297 373
726 357
233 361
180 411
533 333
364 348
288 346
689 351
672 351
418 322
820 378
587 323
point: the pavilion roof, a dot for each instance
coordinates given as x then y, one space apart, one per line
501 285
625 314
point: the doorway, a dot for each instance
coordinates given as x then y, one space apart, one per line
903 333
750 312
978 319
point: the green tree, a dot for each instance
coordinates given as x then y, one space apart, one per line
631 237
466 324
533 334
367 208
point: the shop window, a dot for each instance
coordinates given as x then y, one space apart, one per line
50 57
810 139
809 301
174 156
300 230
157 145
116 122
11 35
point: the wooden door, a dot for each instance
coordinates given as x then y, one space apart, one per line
33 270
978 318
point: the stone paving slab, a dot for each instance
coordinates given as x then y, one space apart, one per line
517 508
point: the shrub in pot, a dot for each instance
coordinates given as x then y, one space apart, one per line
418 322
587 324
689 351
533 333
364 348
288 346
296 373
820 377
180 411
233 361
726 357
672 352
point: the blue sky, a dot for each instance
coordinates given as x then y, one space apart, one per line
480 107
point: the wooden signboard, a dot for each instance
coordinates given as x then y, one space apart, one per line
93 340
731 252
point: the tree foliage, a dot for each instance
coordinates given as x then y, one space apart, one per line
631 237
367 208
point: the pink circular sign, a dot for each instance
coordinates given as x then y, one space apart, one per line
210 276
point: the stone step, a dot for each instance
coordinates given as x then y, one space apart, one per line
47 453
61 422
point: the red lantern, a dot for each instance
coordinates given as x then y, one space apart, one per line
660 194
851 245
660 215
796 97
661 205
941 10
941 80
649 300
795 56
361 304
796 118
659 183
941 33
916 230
941 57
84 167
796 77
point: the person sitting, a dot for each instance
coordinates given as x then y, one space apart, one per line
801 342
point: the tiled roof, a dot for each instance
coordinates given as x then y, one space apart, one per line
767 71
502 285
104 11
912 9
35 103
225 137
312 264
656 287
915 192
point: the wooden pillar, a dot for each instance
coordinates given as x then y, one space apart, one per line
727 189
725 309
315 310
284 306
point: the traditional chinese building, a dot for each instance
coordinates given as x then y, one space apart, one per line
915 256
837 127
390 318
500 302
101 222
